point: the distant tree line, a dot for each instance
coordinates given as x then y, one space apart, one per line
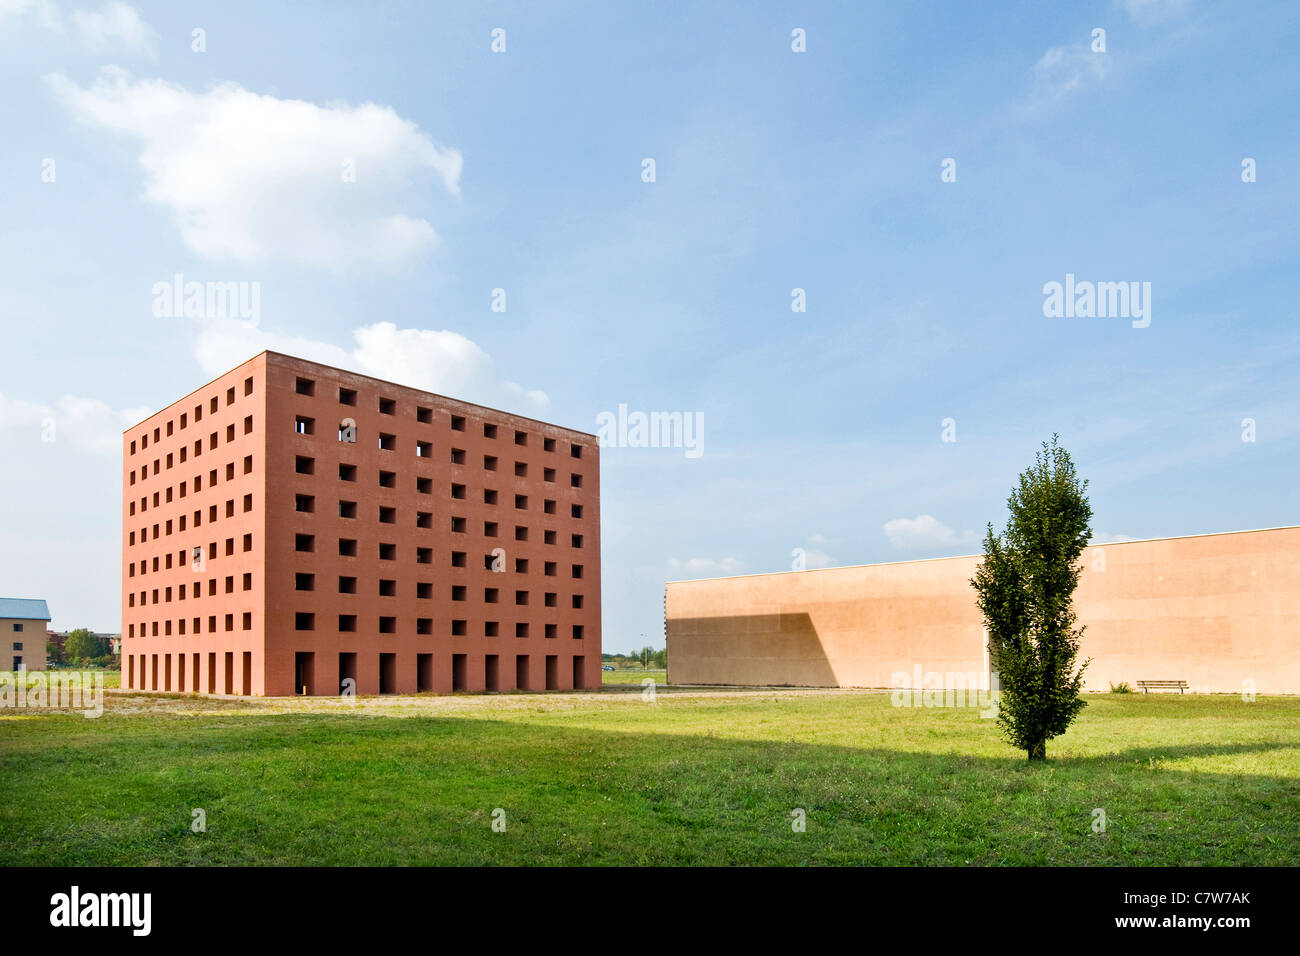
81 648
646 659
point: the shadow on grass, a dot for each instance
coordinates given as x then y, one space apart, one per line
333 790
1147 754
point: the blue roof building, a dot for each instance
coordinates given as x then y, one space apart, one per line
24 609
22 634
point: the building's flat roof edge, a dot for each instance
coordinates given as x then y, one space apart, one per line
382 381
194 391
425 391
960 557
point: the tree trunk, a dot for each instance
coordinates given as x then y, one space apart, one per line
1038 750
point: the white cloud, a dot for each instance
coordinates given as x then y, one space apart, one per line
439 361
253 178
818 559
704 567
116 26
85 423
923 532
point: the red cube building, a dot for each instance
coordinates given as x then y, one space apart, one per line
293 528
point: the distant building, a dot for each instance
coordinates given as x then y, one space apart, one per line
22 633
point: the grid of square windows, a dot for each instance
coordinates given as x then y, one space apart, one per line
163 545
422 446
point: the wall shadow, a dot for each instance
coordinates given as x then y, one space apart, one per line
738 649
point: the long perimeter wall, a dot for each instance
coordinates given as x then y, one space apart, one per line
1215 610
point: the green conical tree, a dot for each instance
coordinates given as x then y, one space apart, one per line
1026 588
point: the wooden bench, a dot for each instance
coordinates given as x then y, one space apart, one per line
1163 684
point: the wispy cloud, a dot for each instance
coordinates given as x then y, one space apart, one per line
1105 537
86 424
923 533
41 13
687 568
116 26
814 555
1065 69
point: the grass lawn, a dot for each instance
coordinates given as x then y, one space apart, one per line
697 777
112 678
633 676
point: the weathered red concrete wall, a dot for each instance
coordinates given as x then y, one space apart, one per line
1218 611
423 536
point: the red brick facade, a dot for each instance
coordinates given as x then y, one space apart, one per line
447 547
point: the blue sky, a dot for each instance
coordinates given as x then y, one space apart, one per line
774 170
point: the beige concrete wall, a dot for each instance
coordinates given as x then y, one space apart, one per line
32 638
1214 610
